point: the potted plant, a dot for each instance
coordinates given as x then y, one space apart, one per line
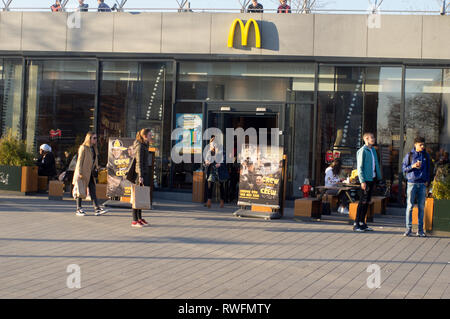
441 200
17 169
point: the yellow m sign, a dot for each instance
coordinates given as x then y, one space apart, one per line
244 32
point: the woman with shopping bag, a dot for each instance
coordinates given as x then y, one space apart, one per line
85 174
141 173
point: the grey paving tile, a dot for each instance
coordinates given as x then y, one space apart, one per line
192 252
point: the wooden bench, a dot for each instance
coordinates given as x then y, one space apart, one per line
42 183
101 191
427 215
333 200
55 190
380 204
198 187
353 208
308 207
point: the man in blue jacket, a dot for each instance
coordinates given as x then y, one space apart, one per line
83 7
416 168
103 7
368 173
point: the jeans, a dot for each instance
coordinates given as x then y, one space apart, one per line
415 191
137 214
363 205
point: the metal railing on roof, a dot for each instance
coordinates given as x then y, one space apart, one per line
228 10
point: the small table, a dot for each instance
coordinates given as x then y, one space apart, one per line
346 188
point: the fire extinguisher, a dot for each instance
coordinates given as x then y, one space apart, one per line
306 188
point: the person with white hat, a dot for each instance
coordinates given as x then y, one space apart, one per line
46 162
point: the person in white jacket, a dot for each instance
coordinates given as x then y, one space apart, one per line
332 173
332 179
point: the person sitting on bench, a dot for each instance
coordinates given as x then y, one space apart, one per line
332 179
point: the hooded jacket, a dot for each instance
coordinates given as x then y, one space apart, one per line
417 175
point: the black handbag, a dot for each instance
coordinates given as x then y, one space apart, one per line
131 174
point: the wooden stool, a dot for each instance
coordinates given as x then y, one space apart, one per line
354 207
380 204
427 215
332 199
308 207
42 183
55 190
198 187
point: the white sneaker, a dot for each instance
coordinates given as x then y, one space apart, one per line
80 212
345 211
100 211
340 210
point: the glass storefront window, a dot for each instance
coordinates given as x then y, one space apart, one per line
246 81
299 146
136 95
423 100
189 117
444 139
10 96
382 100
60 103
340 107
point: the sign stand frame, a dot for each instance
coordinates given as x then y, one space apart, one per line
266 211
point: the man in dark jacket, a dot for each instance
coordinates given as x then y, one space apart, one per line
416 168
255 7
103 7
46 162
83 7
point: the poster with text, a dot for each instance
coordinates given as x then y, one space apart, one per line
260 176
191 140
120 156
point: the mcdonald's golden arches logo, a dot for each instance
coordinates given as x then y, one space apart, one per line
245 29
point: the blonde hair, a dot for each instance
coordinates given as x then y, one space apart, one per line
140 135
87 140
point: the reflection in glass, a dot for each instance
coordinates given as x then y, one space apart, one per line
444 139
189 117
245 81
299 137
10 96
423 95
382 102
60 103
136 95
340 116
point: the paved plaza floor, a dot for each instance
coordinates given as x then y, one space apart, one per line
192 252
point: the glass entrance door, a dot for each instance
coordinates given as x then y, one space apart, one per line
246 116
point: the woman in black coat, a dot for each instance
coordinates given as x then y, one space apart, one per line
142 170
46 162
216 172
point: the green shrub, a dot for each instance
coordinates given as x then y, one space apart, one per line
13 151
441 184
